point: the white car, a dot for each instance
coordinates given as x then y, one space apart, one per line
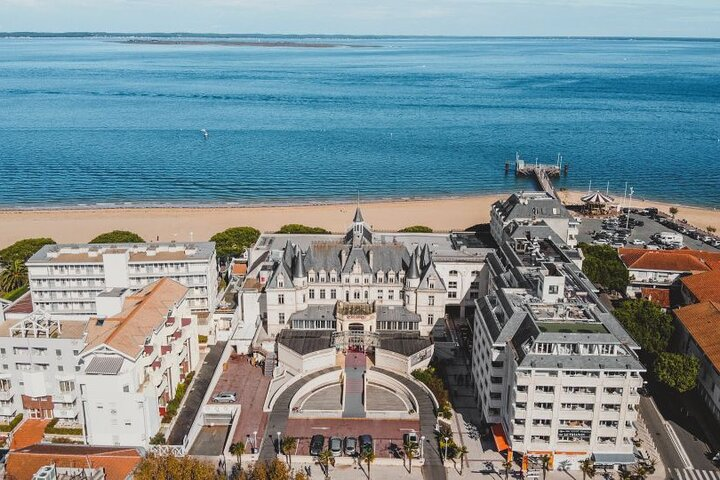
637 241
225 397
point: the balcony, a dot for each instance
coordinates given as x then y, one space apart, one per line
186 321
170 322
68 413
165 349
65 397
6 395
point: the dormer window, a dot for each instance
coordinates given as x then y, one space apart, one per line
281 281
391 277
453 273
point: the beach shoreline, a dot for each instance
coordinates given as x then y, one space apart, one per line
183 223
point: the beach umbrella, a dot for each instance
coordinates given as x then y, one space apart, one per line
597 198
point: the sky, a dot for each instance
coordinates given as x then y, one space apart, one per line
683 18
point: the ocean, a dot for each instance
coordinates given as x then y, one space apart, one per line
103 121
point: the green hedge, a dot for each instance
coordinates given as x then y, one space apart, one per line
174 404
13 423
53 430
13 295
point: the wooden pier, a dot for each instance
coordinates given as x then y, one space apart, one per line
542 172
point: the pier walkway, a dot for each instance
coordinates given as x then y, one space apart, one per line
541 172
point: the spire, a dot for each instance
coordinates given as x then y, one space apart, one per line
412 272
298 270
424 256
358 216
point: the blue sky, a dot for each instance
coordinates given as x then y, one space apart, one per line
698 18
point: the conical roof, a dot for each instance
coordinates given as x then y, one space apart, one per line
298 269
597 197
413 271
358 216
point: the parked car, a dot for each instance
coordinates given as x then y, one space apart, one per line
412 438
225 397
350 446
316 445
637 241
335 446
366 443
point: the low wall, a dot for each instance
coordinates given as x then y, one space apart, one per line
373 376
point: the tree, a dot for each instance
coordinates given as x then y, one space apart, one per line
13 276
298 228
410 449
624 475
367 456
507 466
23 249
674 211
234 241
587 467
267 470
158 439
158 467
603 266
647 324
289 444
325 459
462 451
677 371
711 229
118 236
640 472
545 459
417 229
237 449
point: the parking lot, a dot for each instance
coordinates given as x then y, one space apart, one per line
387 434
597 230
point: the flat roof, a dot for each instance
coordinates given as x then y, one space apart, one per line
69 329
138 252
572 327
305 341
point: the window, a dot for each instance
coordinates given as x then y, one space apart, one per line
322 293
452 284
379 294
281 299
58 352
333 293
126 388
356 295
431 300
2 351
391 294
452 294
553 289
430 318
453 273
311 293
281 318
367 294
60 368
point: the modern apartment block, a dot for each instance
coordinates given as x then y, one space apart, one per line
555 372
133 361
65 279
534 208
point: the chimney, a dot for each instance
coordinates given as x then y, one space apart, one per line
343 257
371 256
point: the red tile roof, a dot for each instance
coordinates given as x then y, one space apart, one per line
704 286
701 320
118 462
239 268
660 296
684 260
21 305
29 432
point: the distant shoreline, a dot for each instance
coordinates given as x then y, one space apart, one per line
229 43
201 222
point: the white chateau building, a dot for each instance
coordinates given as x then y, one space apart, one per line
65 279
555 373
361 281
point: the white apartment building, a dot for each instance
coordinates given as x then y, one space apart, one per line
136 354
361 281
38 365
534 208
555 373
65 279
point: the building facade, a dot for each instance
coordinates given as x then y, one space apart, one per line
65 279
554 372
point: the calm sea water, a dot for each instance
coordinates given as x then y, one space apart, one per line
95 120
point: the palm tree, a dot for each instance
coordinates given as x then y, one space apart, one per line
13 276
367 456
651 465
507 465
587 467
410 448
325 459
462 451
545 465
289 444
640 472
237 449
624 475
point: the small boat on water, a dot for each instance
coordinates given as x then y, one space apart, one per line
205 133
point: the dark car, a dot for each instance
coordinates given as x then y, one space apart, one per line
366 443
316 444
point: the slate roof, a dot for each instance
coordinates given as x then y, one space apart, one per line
305 341
404 343
392 313
531 205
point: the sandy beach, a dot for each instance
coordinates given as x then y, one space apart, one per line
166 224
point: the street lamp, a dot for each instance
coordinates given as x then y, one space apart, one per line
279 444
446 445
255 440
627 224
422 446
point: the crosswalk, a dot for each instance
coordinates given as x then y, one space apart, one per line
693 474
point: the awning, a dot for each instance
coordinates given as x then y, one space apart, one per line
614 458
499 436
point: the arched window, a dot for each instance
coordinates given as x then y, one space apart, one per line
453 273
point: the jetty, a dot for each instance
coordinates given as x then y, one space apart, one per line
541 172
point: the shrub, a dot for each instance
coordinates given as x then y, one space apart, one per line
63 440
435 384
13 423
298 228
234 241
173 405
158 439
53 430
23 249
118 236
417 229
603 266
